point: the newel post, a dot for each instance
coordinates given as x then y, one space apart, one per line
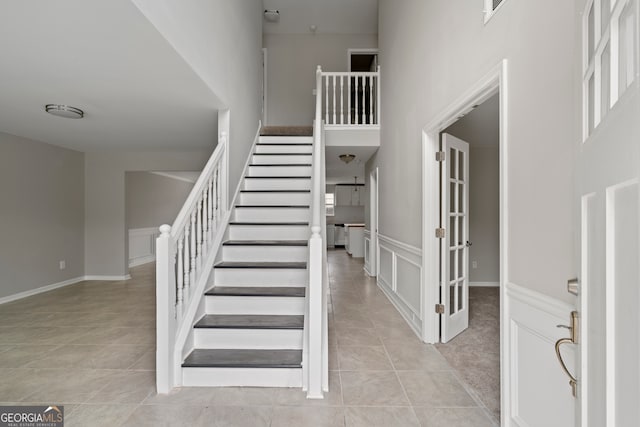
165 310
315 359
314 390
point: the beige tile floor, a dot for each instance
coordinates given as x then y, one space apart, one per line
90 347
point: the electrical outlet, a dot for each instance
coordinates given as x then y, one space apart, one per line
63 264
474 264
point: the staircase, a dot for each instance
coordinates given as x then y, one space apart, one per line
250 329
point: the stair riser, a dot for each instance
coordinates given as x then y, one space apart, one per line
241 377
281 232
280 170
286 140
284 149
254 305
240 339
280 159
272 214
265 253
260 277
275 199
277 184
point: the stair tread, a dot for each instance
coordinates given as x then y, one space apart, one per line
277 177
283 164
273 206
284 143
275 191
257 291
260 264
265 243
250 321
223 358
282 154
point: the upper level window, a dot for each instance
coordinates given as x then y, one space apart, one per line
490 8
609 57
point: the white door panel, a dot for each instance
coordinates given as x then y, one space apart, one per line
454 285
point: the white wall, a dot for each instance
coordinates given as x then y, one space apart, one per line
41 214
431 52
484 214
222 41
105 213
291 72
153 200
480 128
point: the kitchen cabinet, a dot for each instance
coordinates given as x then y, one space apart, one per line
339 238
331 236
349 195
354 240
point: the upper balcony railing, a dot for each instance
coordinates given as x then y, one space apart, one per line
350 98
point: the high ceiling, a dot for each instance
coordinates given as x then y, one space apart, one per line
106 58
329 16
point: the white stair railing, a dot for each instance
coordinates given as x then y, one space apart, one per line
350 98
316 337
181 251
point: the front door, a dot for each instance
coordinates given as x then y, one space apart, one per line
454 247
607 198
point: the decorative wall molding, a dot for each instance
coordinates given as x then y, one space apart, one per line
534 378
367 253
142 245
400 278
400 245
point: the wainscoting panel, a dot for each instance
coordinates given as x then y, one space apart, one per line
538 389
386 272
142 245
367 252
400 277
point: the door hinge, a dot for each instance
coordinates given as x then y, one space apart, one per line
439 308
440 156
440 233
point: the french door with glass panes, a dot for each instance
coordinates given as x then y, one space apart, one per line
454 247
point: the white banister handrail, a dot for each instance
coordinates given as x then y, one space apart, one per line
181 251
189 205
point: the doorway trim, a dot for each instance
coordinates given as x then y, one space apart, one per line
351 51
495 81
374 203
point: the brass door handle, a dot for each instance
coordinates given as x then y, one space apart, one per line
573 339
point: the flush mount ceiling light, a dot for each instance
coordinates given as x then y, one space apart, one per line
65 111
347 158
272 15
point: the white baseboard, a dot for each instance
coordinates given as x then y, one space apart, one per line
485 284
141 261
40 290
108 278
54 286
